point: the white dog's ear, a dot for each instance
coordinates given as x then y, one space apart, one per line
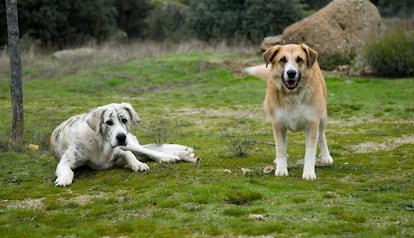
311 55
270 53
94 119
132 113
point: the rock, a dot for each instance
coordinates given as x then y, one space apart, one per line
270 41
342 26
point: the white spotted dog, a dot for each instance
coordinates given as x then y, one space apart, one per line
100 139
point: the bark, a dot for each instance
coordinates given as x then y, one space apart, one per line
15 66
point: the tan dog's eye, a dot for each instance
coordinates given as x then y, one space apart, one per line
283 60
299 60
109 122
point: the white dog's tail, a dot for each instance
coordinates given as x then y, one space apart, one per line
260 71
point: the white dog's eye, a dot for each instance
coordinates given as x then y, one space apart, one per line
109 122
123 120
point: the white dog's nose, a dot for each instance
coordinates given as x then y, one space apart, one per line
121 138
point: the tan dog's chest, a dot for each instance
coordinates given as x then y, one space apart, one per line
295 113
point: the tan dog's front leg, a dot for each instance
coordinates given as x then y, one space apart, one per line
279 133
311 142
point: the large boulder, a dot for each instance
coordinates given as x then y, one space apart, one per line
343 26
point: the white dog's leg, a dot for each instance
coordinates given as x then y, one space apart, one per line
323 145
132 162
64 173
135 147
185 153
281 156
311 142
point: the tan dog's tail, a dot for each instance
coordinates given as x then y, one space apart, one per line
260 71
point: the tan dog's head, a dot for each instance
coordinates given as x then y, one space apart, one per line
290 63
113 122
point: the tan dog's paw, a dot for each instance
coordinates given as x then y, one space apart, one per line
281 172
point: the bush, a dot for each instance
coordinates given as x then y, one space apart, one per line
330 61
392 54
167 21
253 19
67 22
130 16
400 8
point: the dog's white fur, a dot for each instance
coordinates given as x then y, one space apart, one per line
100 139
295 100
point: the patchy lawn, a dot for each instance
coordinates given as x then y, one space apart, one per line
198 99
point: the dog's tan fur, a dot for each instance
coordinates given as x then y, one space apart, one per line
295 103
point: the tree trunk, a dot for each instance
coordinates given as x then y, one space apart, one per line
15 66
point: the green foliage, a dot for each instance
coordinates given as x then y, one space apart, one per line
330 61
168 21
67 22
400 8
218 19
391 55
130 16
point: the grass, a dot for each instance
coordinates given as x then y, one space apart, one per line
190 98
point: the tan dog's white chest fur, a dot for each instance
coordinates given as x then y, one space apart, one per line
295 100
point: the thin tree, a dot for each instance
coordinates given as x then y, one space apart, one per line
15 66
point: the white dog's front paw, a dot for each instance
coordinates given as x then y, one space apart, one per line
63 181
139 167
309 175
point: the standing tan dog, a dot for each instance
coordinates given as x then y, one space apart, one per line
295 100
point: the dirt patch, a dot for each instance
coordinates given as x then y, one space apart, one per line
390 144
28 203
250 114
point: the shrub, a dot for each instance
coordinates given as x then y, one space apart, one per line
392 54
330 61
253 19
67 22
130 16
167 21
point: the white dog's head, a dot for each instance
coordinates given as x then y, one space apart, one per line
112 121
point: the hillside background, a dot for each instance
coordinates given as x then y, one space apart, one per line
60 24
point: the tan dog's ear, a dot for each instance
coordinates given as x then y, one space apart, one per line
94 119
132 113
311 55
270 53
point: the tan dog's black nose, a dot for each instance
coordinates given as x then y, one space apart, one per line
291 73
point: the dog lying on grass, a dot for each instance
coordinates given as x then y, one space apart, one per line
100 139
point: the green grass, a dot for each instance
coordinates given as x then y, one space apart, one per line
191 98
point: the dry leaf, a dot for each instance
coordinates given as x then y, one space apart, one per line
227 171
33 147
259 217
268 169
246 170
